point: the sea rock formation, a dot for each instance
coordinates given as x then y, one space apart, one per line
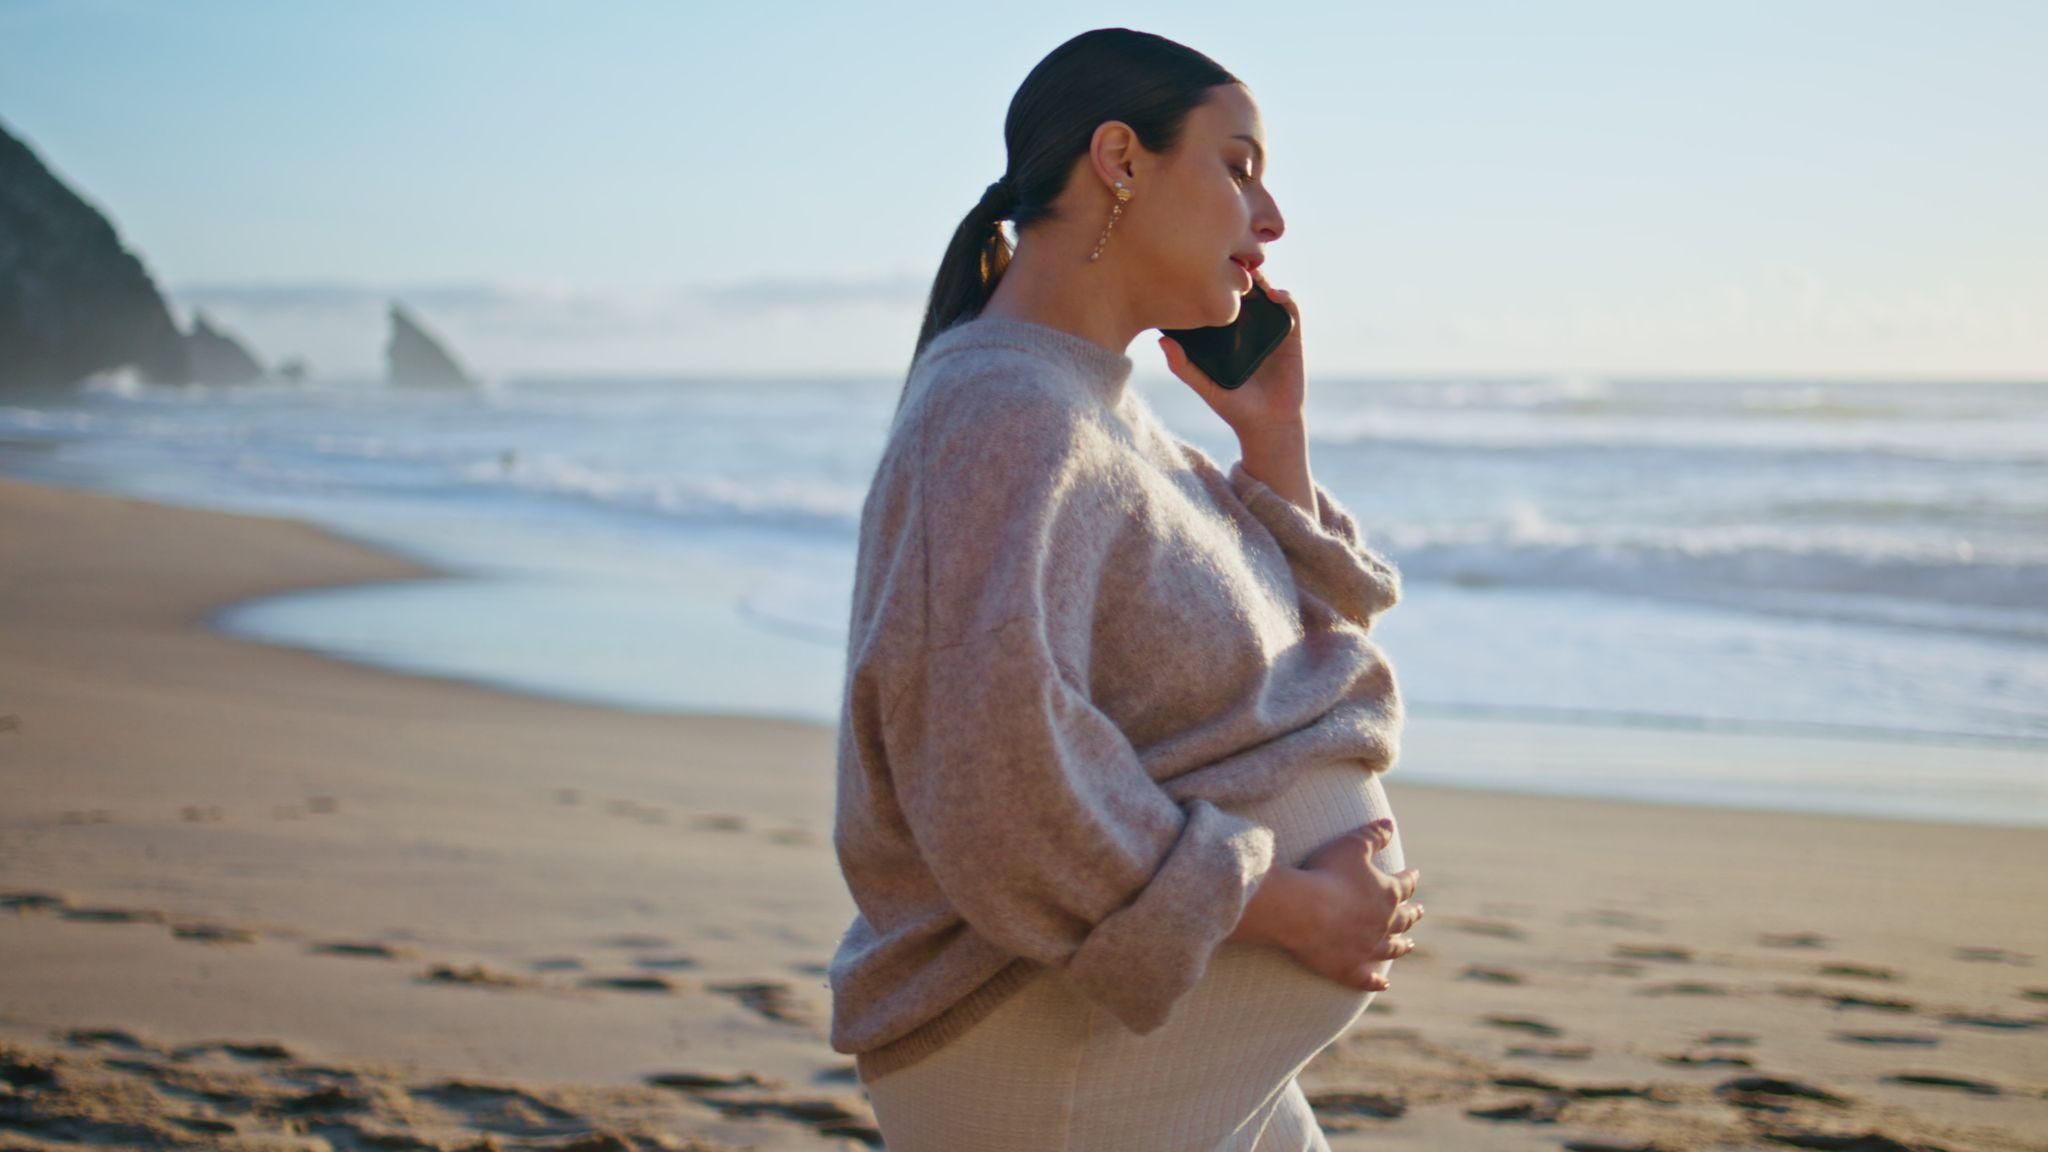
73 300
214 357
415 359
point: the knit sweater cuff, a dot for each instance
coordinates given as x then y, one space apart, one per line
1329 556
1141 959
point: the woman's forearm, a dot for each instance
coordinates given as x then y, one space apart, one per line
1277 456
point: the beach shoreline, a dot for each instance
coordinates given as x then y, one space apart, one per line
204 838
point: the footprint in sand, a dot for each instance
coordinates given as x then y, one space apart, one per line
20 1071
261 1051
2034 993
365 949
828 1116
1771 1093
1496 929
1580 1091
1527 1024
1653 952
635 941
1729 1039
115 915
87 816
630 983
323 805
1340 1110
1490 975
1842 999
1552 1051
109 1037
505 1109
1889 1039
202 814
746 1095
1991 1020
1548 1110
721 822
696 1081
666 963
266 1098
1616 918
770 998
206 933
198 931
1952 1083
1868 1141
1792 940
1994 956
556 964
1683 988
634 810
476 974
1706 1060
1858 971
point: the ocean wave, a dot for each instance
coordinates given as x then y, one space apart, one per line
1867 577
797 505
1976 443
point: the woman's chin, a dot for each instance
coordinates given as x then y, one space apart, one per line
1223 310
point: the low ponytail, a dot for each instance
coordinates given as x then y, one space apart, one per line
1145 81
974 261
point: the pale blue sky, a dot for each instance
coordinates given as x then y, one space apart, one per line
1737 188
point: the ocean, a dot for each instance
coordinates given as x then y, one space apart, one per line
1855 560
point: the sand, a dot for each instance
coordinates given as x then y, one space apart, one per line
256 897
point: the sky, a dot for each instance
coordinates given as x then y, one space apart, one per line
1787 189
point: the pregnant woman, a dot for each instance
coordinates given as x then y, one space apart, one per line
1109 798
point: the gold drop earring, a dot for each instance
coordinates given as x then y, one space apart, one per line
1115 210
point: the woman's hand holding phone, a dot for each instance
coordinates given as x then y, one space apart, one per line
1271 398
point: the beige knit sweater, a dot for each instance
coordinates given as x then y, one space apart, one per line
1075 642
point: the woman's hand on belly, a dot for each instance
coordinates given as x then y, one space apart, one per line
1362 915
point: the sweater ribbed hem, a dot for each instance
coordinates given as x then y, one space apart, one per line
934 1034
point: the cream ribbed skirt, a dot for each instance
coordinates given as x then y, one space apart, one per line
1050 1071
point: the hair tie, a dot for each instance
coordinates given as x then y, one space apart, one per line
1001 193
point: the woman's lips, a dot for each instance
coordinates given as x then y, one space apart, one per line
1247 272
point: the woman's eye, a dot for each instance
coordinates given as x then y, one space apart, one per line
1244 172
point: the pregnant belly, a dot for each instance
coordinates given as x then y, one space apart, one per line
1298 1010
1213 1075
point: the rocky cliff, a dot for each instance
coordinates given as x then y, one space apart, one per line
216 357
415 359
73 299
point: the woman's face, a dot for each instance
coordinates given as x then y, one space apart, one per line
1196 208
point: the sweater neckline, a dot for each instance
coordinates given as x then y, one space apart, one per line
1103 369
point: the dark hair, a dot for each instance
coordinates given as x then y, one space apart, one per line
1147 81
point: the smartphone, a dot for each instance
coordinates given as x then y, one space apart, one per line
1230 353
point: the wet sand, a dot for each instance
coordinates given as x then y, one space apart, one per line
256 897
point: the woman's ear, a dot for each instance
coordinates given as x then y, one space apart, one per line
1115 154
